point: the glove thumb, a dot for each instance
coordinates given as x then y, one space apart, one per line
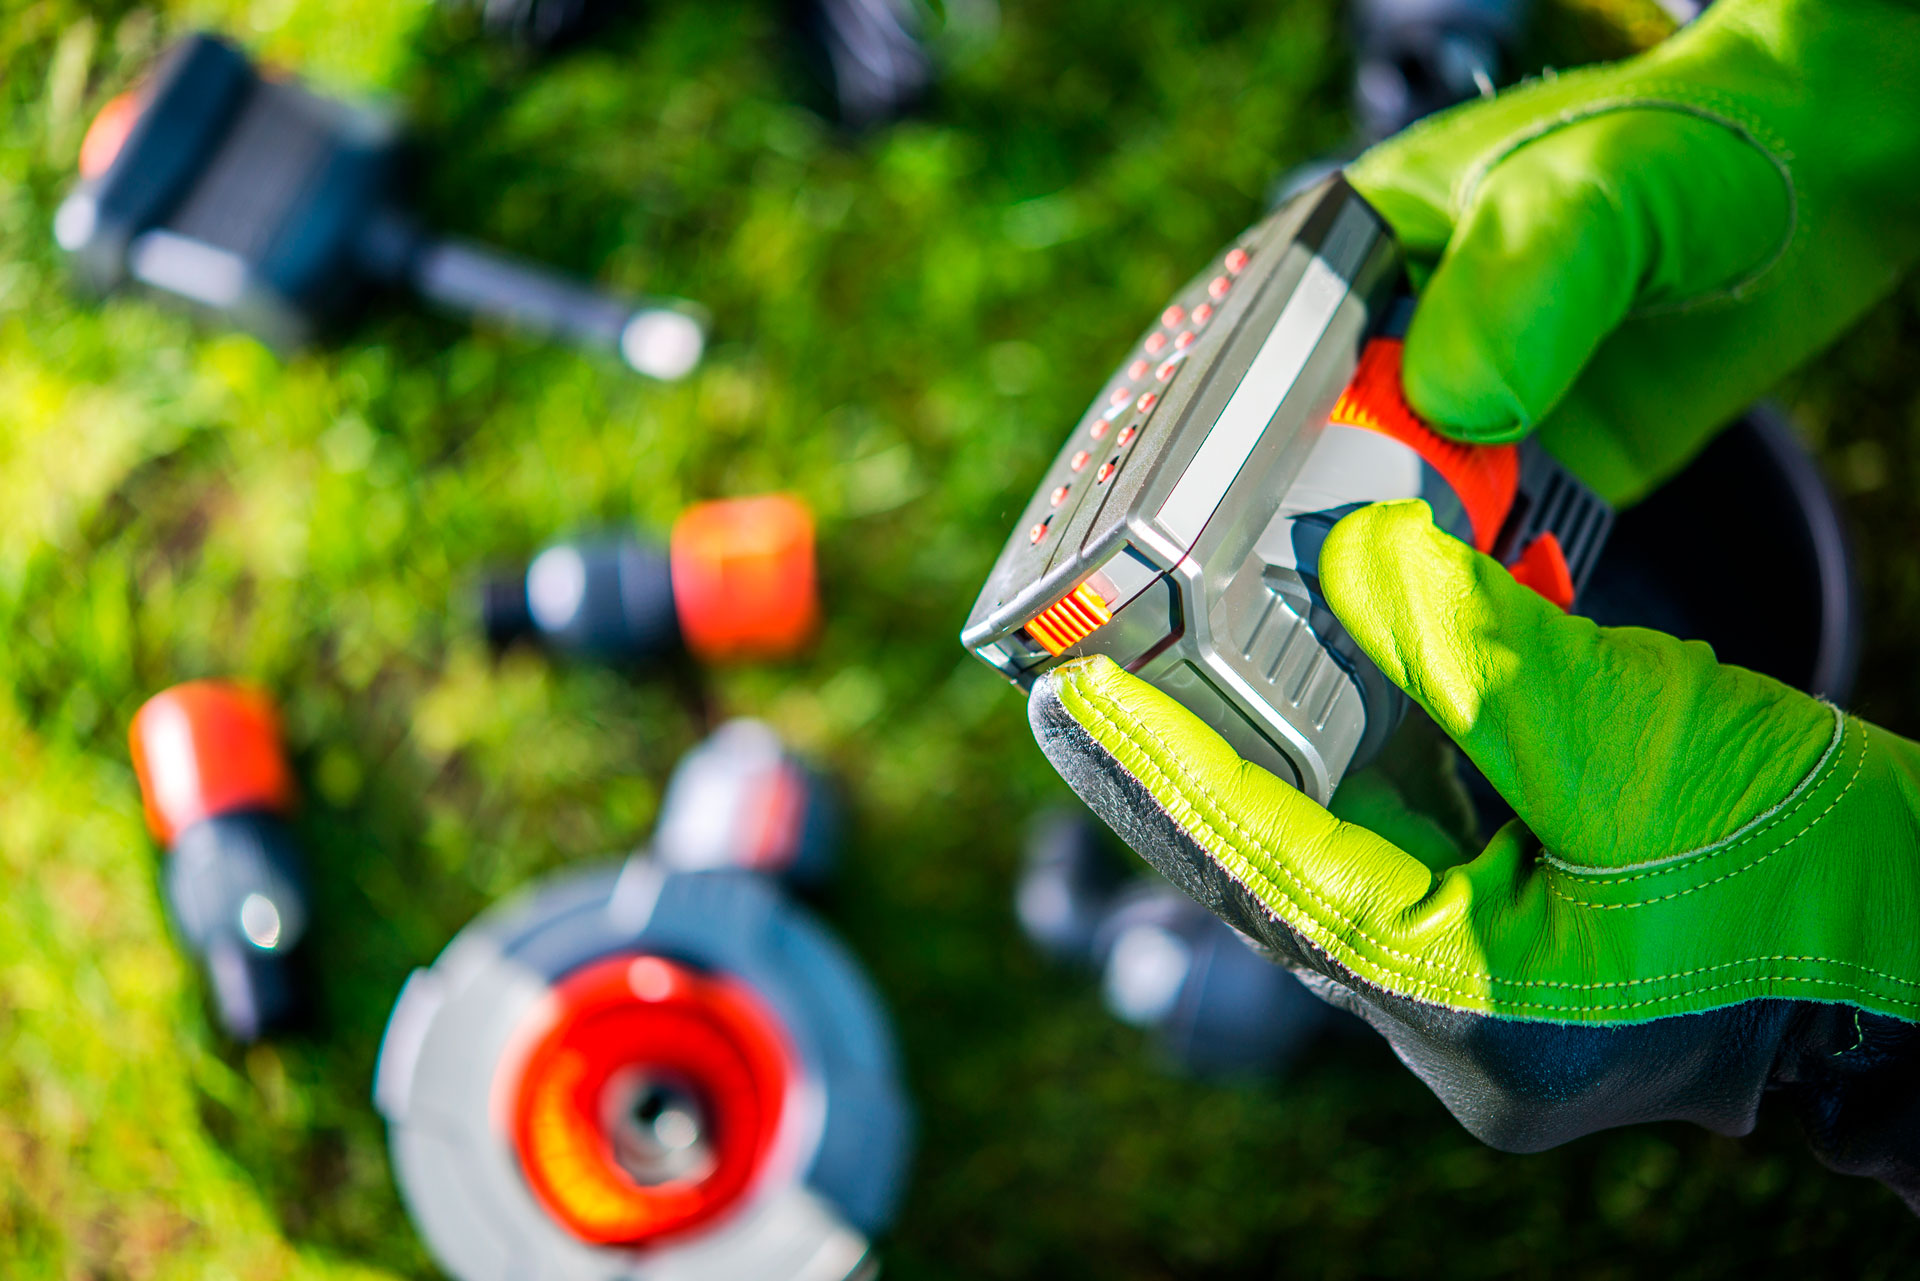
1608 742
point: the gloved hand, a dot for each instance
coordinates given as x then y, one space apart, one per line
1626 256
1712 888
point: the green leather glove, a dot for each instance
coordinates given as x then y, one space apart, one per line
1712 888
1626 256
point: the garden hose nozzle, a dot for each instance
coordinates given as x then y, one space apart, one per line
636 1072
217 790
252 196
661 1071
735 581
1179 529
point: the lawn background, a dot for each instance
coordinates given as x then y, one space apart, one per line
905 324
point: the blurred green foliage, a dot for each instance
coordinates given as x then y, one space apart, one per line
906 322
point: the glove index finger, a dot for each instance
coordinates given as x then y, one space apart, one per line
1642 207
1410 185
1253 850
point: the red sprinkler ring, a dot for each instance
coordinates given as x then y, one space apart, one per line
204 749
651 1102
744 584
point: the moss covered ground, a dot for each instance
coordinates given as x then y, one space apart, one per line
905 323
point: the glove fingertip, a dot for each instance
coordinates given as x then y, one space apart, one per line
1449 375
1379 545
1405 591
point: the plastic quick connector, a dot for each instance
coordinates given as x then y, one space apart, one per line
207 748
744 578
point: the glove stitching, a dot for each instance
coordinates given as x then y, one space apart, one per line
1324 935
1707 105
1860 760
1497 1005
1792 803
1859 1038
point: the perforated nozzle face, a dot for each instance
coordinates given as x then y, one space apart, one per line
1159 537
1131 472
242 193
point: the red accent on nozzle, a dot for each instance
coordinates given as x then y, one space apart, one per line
743 577
1543 567
623 1024
773 818
108 133
1486 477
207 748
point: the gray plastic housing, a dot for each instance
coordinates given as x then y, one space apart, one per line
242 193
255 198
456 1021
1194 495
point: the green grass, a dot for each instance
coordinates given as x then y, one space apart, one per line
906 323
